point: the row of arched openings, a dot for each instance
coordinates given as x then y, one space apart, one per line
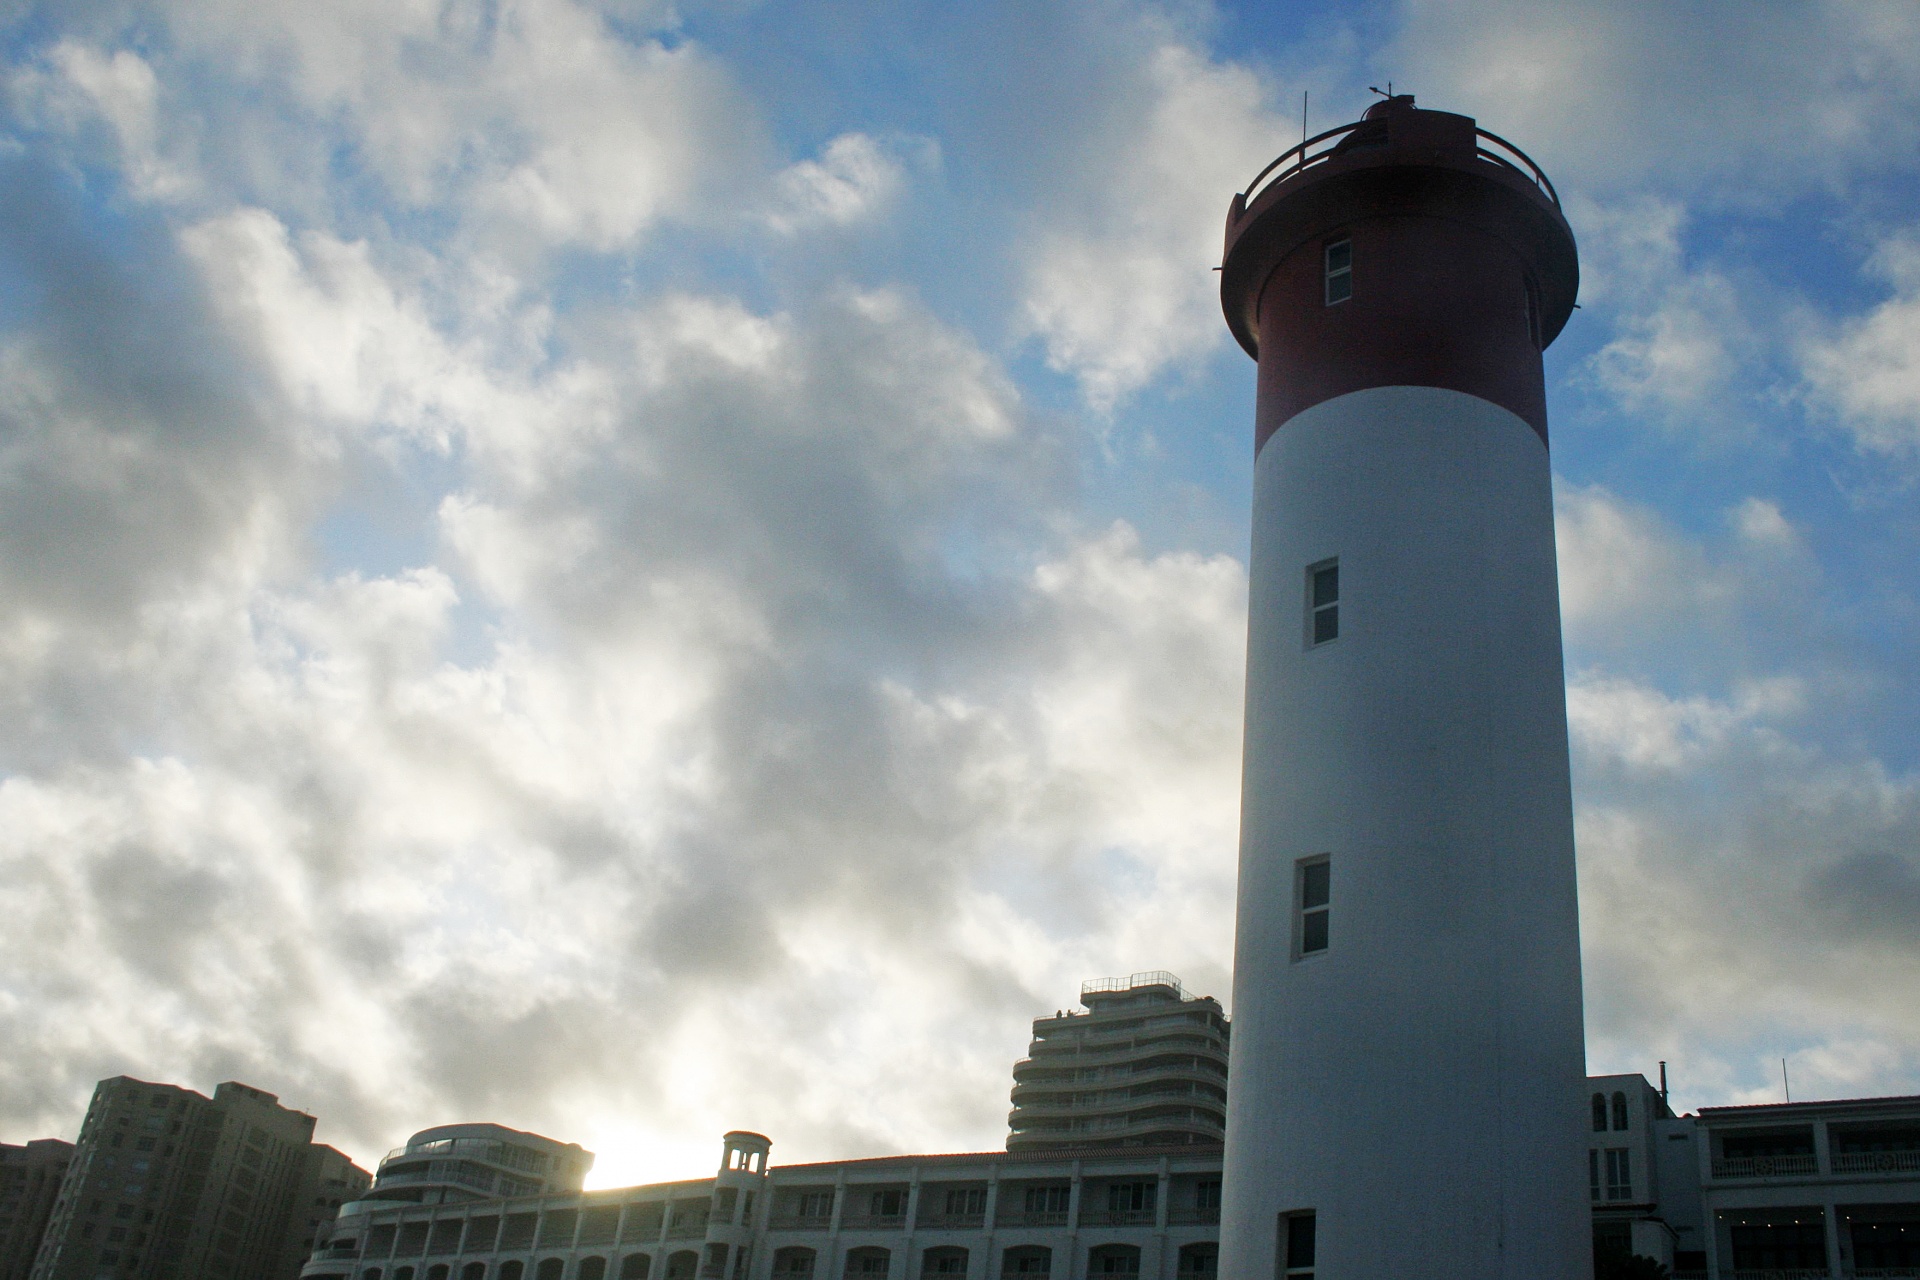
1020 1262
635 1266
1620 1118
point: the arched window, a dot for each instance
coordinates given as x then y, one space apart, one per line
512 1270
635 1266
439 1271
592 1269
946 1262
474 1271
868 1262
551 1269
793 1261
1599 1113
1619 1110
371 1273
1200 1260
1031 1260
1113 1260
682 1265
403 1273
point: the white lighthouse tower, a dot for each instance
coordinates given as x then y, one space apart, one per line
1407 1058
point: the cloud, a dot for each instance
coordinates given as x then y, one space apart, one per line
855 178
1866 371
1119 280
1725 100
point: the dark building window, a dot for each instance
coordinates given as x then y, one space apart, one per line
1313 884
1339 271
1782 1245
1593 1173
1323 602
1296 1246
1599 1113
1620 1111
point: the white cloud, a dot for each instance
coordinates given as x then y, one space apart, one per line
1120 283
1611 95
1867 371
855 178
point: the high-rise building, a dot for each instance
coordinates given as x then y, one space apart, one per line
168 1184
29 1183
1408 1048
1145 1065
328 1180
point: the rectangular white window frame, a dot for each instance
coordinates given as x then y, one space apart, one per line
1312 906
1323 602
1619 1173
1338 259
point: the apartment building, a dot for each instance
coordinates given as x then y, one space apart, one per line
168 1184
1145 1065
1132 1211
29 1183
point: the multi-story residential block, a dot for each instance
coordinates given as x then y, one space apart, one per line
1805 1189
29 1183
329 1180
168 1184
1132 1211
1145 1065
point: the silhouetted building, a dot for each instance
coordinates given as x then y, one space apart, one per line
168 1184
330 1180
29 1184
1146 1065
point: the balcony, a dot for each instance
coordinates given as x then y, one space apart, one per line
1877 1162
1193 1217
1780 1273
1116 1217
950 1221
801 1221
873 1222
1766 1167
1030 1218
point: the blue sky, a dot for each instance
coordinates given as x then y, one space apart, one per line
635 569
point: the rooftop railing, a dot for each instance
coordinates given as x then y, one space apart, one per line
1876 1162
1150 978
1294 161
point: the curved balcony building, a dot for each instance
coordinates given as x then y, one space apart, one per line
1145 1065
455 1162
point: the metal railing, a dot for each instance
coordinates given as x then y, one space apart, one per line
1294 161
1780 1273
932 1220
801 1221
873 1221
1116 1217
1764 1166
1030 1218
1148 978
1193 1217
1876 1162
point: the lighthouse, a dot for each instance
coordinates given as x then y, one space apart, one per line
1408 1056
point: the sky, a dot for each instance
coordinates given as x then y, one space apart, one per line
635 569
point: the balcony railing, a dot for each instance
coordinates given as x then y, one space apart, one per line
1885 1273
1876 1162
873 1221
1780 1273
1116 1217
801 1221
1193 1217
1296 160
1029 1218
937 1220
1764 1167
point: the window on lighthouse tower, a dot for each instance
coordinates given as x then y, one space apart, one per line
1323 602
1339 271
1314 892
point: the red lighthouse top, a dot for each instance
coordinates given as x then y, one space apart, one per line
1408 248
